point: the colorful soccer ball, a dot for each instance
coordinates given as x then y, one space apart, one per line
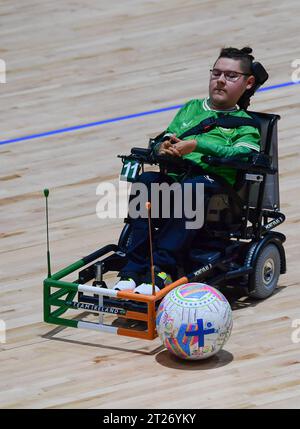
194 321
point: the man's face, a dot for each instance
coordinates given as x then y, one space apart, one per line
224 94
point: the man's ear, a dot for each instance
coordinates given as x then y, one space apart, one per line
250 82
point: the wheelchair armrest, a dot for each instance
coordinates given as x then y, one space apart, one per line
252 163
140 155
141 151
147 156
185 165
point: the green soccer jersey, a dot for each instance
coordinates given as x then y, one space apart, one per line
222 142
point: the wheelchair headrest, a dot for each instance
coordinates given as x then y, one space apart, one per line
261 76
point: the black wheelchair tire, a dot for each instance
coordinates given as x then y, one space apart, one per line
266 272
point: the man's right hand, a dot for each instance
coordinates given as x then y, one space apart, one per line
167 148
163 146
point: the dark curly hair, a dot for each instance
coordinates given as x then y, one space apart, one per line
244 55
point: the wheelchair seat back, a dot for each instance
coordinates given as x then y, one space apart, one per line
262 194
269 146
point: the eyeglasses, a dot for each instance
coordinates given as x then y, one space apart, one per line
231 76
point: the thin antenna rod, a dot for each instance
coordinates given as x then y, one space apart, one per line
46 193
148 207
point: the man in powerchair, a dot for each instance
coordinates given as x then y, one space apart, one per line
231 84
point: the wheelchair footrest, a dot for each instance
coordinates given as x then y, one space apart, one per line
204 256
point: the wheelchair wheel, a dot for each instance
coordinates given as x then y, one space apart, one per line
264 278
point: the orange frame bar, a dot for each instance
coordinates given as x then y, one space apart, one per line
148 317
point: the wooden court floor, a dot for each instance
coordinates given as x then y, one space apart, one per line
71 63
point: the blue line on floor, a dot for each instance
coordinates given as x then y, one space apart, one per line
120 118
